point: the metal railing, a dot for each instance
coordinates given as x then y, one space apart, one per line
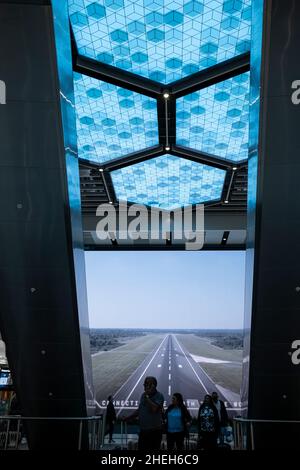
12 430
126 437
245 430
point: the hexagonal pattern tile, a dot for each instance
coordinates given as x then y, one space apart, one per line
163 40
112 121
215 120
168 182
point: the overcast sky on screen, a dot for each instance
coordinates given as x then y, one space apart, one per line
166 289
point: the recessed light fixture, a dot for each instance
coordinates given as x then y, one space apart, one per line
166 95
101 169
167 148
226 202
234 168
110 202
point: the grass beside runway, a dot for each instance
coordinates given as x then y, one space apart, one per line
228 376
203 347
112 368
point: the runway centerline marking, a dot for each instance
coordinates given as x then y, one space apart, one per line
169 390
206 391
140 378
169 376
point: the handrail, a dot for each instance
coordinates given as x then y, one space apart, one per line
94 431
255 420
64 418
244 430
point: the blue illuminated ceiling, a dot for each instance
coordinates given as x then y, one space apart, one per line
168 182
163 40
215 120
112 121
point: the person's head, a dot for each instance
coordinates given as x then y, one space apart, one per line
177 399
214 397
109 398
207 400
150 384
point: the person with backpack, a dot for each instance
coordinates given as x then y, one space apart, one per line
208 424
222 414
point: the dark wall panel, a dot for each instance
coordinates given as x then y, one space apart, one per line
43 304
271 382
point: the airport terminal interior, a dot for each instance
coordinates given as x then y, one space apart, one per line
135 134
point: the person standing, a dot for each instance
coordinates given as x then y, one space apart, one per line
222 413
178 420
208 423
110 418
150 414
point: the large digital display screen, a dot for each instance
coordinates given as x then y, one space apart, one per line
167 315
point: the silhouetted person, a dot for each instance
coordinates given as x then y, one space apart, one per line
150 414
178 420
110 418
222 414
208 424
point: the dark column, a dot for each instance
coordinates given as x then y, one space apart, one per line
43 305
271 384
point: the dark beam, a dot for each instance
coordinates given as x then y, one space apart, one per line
130 159
225 237
161 119
108 188
122 78
202 157
229 187
172 120
210 76
166 110
163 247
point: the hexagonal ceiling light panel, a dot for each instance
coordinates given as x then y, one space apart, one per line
163 40
215 120
168 182
112 121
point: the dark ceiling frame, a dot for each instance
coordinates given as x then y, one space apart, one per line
167 246
166 111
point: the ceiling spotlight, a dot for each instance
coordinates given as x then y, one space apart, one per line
167 148
226 202
110 202
234 168
166 95
101 169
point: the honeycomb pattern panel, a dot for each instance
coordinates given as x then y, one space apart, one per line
112 121
163 40
215 120
168 182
